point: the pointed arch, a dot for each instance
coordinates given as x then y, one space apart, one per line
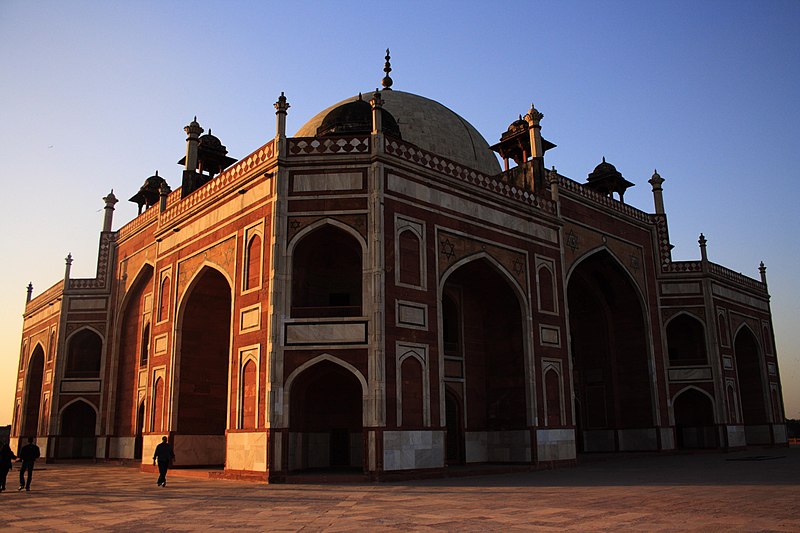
695 424
32 392
686 340
287 389
84 353
327 275
752 378
78 428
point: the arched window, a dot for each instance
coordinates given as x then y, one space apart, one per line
412 395
83 355
410 256
326 275
51 348
249 395
686 341
552 386
145 348
164 297
158 405
451 322
723 330
733 411
546 291
252 275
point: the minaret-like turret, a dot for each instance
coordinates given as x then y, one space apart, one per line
30 291
763 271
377 104
658 198
193 131
108 218
281 109
703 254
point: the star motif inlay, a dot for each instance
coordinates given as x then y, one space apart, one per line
448 249
518 266
572 240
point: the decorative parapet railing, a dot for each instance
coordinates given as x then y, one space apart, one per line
304 146
736 277
176 205
225 180
47 296
139 222
584 192
100 281
682 267
429 160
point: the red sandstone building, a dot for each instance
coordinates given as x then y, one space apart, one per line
376 293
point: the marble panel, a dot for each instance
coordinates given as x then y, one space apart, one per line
779 434
690 374
736 436
468 207
476 448
667 439
550 335
319 450
247 451
757 434
555 444
740 297
343 181
727 362
122 447
81 385
142 381
160 344
509 446
332 333
412 314
631 440
772 368
598 440
87 304
405 450
678 289
250 318
193 450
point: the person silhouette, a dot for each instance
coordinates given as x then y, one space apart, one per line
6 455
164 455
28 455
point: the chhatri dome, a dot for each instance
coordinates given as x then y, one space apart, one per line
421 121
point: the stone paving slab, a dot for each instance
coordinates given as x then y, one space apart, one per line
754 490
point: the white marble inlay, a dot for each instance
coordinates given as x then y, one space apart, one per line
670 289
413 314
251 318
690 374
160 344
468 207
87 304
82 385
326 333
550 335
345 181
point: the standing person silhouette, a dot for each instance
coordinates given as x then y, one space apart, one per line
5 463
28 455
165 456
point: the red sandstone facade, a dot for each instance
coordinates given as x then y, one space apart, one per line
375 294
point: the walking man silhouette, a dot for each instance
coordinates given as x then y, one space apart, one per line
28 455
164 455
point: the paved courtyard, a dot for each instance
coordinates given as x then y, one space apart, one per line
753 490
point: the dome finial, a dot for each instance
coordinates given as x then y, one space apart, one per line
387 68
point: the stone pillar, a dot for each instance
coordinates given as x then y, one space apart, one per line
110 201
377 115
281 109
68 260
658 199
552 178
533 118
703 254
193 131
30 291
163 192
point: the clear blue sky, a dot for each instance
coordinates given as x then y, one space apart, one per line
94 96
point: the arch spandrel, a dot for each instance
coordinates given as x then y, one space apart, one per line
636 275
453 248
221 256
131 267
297 225
580 244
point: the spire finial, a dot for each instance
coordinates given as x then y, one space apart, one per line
387 68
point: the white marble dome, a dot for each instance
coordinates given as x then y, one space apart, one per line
429 125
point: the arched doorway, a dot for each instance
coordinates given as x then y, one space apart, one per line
204 340
484 352
694 420
609 349
325 419
33 396
134 315
77 439
140 428
752 391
